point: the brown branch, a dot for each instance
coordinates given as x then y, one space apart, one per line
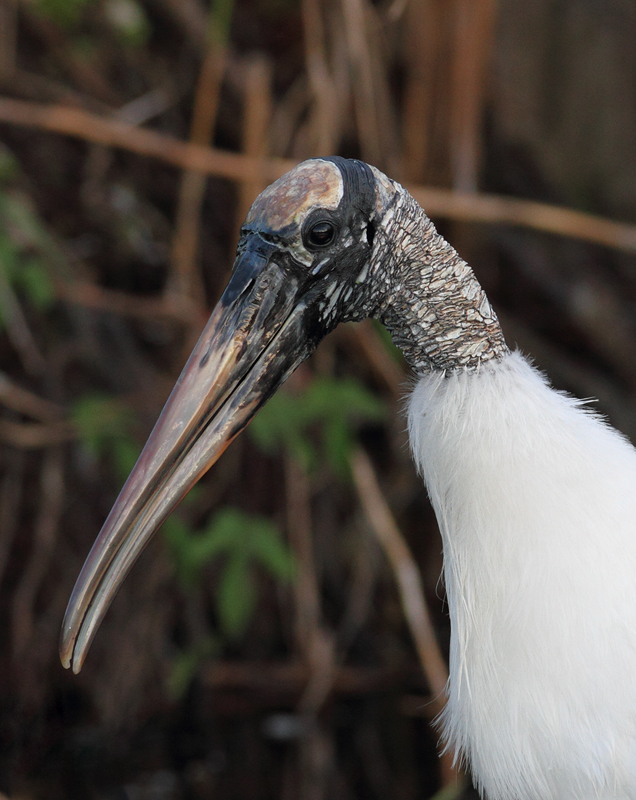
114 133
256 117
423 40
406 573
500 210
18 329
34 435
314 640
325 112
291 677
442 203
364 95
26 402
52 491
10 499
407 576
474 26
185 247
367 340
8 38
89 295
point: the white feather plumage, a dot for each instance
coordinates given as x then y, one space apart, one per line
536 501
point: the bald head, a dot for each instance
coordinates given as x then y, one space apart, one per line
312 184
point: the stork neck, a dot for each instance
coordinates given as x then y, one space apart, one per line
435 310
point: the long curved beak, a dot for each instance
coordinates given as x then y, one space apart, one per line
257 335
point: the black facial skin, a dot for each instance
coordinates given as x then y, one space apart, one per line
340 241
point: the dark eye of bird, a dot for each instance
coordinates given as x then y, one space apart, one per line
321 234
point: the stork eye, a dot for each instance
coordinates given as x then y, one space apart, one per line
321 234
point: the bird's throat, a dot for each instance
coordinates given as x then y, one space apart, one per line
435 308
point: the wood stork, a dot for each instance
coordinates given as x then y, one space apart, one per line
535 495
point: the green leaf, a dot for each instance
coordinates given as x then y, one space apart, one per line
335 406
193 551
66 13
270 551
9 165
124 452
281 423
8 257
34 280
187 663
245 541
236 597
129 21
100 420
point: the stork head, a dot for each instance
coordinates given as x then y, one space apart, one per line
304 263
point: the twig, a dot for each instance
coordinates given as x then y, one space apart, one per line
474 25
89 295
257 114
17 328
367 340
10 499
8 38
26 402
406 574
291 677
34 435
184 280
52 489
191 16
315 641
422 32
113 133
299 526
526 213
409 583
368 124
442 203
324 121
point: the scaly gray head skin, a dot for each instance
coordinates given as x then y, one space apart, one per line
331 241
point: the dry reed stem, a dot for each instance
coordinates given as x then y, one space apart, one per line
364 100
299 527
10 500
474 28
26 402
34 435
192 18
184 280
366 339
422 42
408 579
89 295
257 114
406 573
82 72
8 38
442 203
314 640
291 677
18 329
25 595
113 133
325 113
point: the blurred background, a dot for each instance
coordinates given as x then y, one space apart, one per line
264 646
